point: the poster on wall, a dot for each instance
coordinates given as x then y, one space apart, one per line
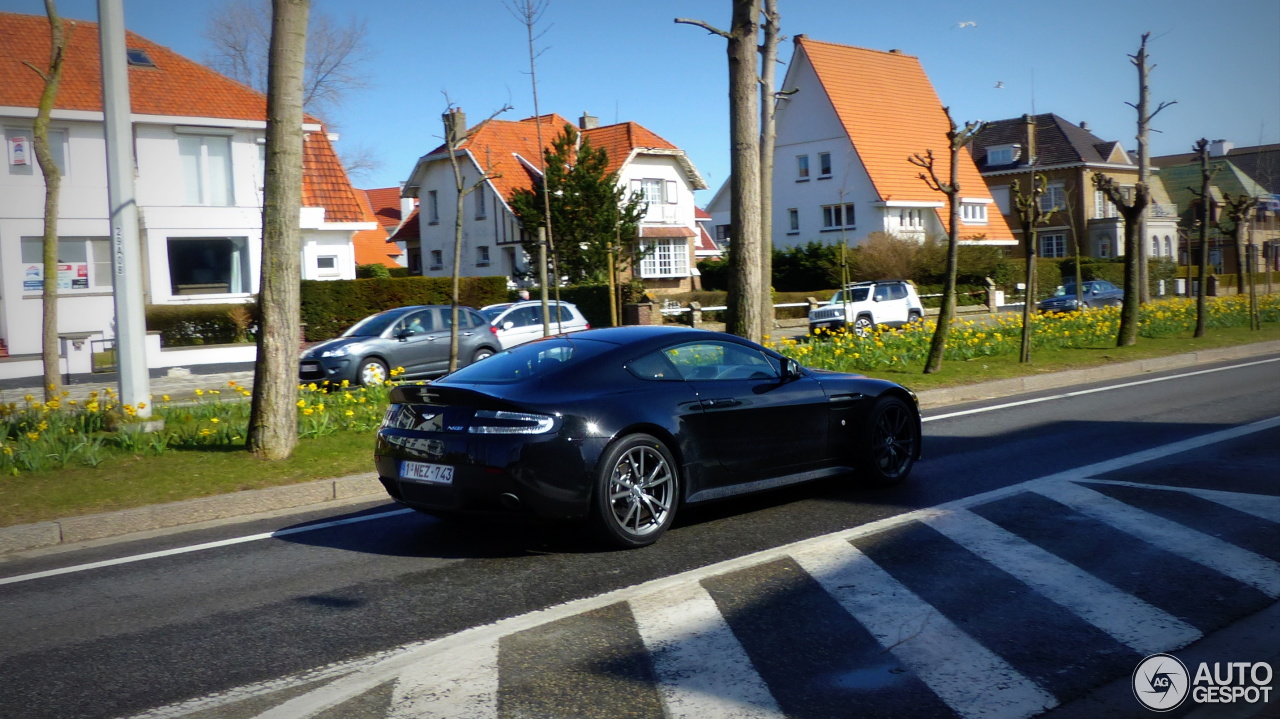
19 151
71 276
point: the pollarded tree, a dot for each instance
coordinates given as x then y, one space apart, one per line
957 140
1131 209
590 212
1236 210
1205 217
1030 211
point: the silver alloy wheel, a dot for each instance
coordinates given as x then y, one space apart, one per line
893 441
862 327
372 373
641 491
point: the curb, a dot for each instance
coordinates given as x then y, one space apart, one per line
315 494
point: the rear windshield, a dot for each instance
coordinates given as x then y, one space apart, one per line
528 361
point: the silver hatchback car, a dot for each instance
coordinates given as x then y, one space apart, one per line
515 323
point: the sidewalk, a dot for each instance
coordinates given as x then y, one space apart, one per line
366 487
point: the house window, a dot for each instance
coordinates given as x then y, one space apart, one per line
206 169
1103 208
722 233
415 262
208 265
433 207
824 164
1053 245
1168 246
664 257
327 265
83 263
910 218
1054 198
1104 246
653 190
802 168
835 217
973 213
138 57
793 221
1155 246
21 150
437 260
480 201
1002 155
482 256
1000 194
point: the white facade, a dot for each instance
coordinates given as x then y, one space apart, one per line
199 192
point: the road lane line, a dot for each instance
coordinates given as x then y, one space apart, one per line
1262 506
1127 618
1223 557
1095 390
702 669
969 677
200 547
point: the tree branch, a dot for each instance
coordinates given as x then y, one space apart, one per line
703 25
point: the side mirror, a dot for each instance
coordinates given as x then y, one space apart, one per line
791 369
508 325
405 334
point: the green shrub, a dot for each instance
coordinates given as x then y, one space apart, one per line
329 307
966 294
400 272
190 324
715 274
374 271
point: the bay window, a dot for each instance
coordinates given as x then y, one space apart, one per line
664 257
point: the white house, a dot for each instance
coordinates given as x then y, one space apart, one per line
509 153
850 120
199 154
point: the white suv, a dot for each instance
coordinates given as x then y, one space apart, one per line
861 306
515 323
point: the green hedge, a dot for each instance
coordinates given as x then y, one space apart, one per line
189 324
966 294
331 306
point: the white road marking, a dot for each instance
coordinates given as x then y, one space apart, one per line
1095 390
1127 618
1223 557
702 669
464 687
200 547
970 678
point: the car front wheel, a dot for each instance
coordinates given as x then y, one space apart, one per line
637 487
889 443
862 326
372 372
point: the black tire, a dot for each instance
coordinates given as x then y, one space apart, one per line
889 443
628 513
913 317
368 371
862 326
482 353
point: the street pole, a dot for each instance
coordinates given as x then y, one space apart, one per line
131 327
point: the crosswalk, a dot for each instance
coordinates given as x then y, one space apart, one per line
1001 606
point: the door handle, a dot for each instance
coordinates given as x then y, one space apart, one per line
720 403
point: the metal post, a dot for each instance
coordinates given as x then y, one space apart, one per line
542 280
131 327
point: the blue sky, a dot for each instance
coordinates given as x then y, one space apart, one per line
629 61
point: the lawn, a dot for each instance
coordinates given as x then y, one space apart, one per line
61 459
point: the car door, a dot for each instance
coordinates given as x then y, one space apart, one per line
520 325
890 304
414 343
760 425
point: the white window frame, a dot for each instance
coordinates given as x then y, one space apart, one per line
437 260
94 272
1055 196
1103 207
840 216
239 281
802 168
793 221
1056 241
331 270
664 257
998 155
910 218
204 195
973 213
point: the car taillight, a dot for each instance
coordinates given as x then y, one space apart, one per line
588 325
494 330
498 422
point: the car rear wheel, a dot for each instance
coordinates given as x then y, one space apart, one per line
862 326
889 442
372 372
637 487
482 353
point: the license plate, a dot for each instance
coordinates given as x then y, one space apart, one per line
310 366
423 472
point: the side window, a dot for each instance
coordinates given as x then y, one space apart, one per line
654 366
897 292
882 293
524 317
419 322
720 361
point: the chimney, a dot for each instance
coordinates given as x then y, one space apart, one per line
895 51
796 40
1084 126
455 125
1030 155
406 203
586 122
1218 148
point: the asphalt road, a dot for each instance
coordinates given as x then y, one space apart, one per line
254 624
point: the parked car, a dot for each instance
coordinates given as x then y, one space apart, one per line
861 306
515 323
415 338
1096 293
623 426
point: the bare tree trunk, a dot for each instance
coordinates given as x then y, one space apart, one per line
1030 215
273 420
768 138
49 351
1144 168
1206 201
1132 212
745 283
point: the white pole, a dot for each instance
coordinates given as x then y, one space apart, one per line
131 326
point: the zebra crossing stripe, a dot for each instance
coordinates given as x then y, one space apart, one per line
1261 506
464 687
702 669
970 678
1125 617
1223 557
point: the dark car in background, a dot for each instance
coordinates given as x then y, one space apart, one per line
622 426
1093 294
415 338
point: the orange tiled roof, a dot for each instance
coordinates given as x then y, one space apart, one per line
385 202
890 111
325 183
408 229
495 144
372 246
175 86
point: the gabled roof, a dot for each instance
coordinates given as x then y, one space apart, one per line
410 229
510 148
890 112
1058 142
1182 182
325 182
1260 162
385 202
372 246
175 86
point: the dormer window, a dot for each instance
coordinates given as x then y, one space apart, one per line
1002 154
139 58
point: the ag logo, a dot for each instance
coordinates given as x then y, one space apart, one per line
1160 682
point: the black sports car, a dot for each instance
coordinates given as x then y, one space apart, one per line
624 425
